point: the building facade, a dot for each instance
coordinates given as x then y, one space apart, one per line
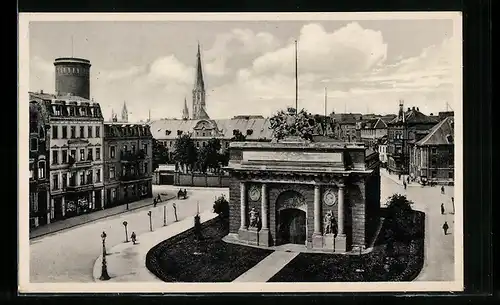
38 166
128 150
323 196
405 130
75 154
432 158
382 151
372 131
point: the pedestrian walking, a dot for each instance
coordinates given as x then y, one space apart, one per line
175 211
404 184
442 208
159 198
155 202
442 189
445 228
408 179
399 176
133 237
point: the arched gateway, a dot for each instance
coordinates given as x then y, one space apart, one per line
324 196
291 219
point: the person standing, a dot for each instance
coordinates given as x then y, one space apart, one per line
408 179
442 208
133 237
445 228
404 184
442 189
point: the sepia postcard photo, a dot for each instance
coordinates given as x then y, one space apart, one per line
294 152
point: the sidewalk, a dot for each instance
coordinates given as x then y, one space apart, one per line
126 262
86 218
267 267
395 179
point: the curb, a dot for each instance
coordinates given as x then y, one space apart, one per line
99 218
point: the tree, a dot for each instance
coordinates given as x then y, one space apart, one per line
185 151
208 157
160 154
291 123
221 206
399 217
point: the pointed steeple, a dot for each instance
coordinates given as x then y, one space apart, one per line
199 83
124 113
185 112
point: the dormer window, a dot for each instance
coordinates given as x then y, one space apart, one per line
71 111
179 132
168 132
56 110
249 132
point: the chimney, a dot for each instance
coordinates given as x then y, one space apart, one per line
413 108
408 108
41 91
418 109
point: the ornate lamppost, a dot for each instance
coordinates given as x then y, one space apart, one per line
104 268
126 234
150 222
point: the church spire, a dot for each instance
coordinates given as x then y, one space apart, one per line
199 109
185 112
124 113
199 83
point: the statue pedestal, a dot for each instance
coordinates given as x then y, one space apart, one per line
243 235
335 244
253 236
317 241
264 237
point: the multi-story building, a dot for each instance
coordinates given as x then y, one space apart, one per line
372 131
345 126
432 158
38 154
128 150
405 130
75 154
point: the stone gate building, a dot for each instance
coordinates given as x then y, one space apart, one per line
325 196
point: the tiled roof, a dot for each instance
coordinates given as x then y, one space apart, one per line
441 134
414 116
380 124
260 127
119 130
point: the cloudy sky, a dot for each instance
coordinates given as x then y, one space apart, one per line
367 66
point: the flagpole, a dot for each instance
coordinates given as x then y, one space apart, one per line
296 81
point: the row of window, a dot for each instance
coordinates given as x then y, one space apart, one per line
84 155
172 144
125 148
85 111
75 179
72 70
41 170
72 132
128 171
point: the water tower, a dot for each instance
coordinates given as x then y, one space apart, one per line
72 76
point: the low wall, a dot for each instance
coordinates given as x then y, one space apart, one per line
201 180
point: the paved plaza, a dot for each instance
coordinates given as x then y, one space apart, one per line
73 255
69 255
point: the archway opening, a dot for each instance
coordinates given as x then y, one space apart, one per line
292 226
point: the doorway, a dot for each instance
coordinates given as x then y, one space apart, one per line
292 226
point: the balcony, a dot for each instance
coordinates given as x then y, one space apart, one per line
77 164
73 188
132 177
128 156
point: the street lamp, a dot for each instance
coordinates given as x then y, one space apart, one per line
126 234
104 268
150 222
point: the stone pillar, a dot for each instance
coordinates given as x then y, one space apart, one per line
264 231
102 198
317 238
243 205
243 231
48 208
341 239
63 206
341 210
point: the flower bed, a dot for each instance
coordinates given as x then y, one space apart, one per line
182 259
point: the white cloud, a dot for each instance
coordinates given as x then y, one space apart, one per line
170 69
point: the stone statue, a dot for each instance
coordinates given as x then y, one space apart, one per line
254 218
330 225
327 223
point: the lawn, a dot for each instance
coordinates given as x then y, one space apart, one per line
182 259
